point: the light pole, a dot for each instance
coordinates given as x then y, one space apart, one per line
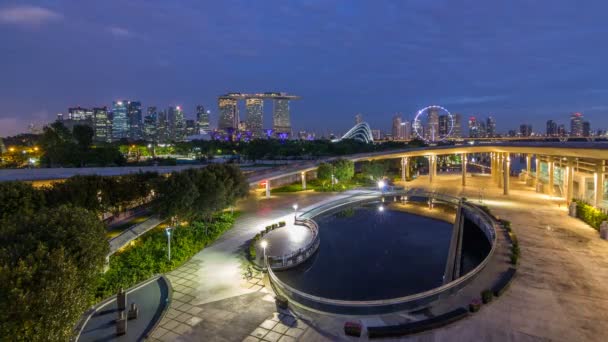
295 211
264 244
168 232
381 185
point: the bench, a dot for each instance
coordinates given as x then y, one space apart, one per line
503 283
419 326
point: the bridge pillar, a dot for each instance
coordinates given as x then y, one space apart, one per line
506 163
551 167
569 181
303 177
528 167
500 169
536 170
432 168
405 168
493 167
463 159
599 178
268 188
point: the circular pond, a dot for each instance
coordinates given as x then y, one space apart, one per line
374 251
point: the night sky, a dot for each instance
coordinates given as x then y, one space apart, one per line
521 61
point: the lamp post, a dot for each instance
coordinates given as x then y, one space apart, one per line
381 185
295 211
264 244
168 232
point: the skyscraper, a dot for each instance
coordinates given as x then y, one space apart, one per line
229 114
432 133
397 130
162 128
525 130
254 120
120 123
457 131
407 130
280 116
586 129
444 125
177 123
134 118
576 124
473 127
101 124
151 125
80 114
490 127
202 120
561 130
551 128
190 127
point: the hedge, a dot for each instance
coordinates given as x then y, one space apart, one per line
148 256
589 214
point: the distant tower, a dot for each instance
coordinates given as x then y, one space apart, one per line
457 130
202 120
473 127
586 129
407 130
254 119
397 130
551 128
177 123
432 133
134 118
150 131
120 124
280 116
576 124
358 119
101 124
229 113
490 127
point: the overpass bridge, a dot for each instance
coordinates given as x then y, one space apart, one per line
574 167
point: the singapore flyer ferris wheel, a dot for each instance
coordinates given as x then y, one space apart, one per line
433 124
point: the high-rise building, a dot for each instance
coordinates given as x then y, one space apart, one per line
482 129
490 127
59 117
150 130
576 124
190 127
407 130
177 123
473 127
376 134
397 130
134 118
551 128
254 120
101 124
163 135
358 119
431 133
80 114
561 130
587 129
445 126
229 114
525 130
120 122
280 116
457 131
202 120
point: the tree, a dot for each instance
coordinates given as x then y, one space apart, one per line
324 171
344 170
375 169
83 135
49 265
19 199
176 196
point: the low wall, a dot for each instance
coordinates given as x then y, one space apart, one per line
402 303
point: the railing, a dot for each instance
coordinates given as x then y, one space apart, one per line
484 221
282 262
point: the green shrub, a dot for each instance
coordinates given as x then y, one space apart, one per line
282 224
268 228
148 256
486 296
475 305
275 225
590 215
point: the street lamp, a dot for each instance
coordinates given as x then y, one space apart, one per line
168 232
381 185
295 211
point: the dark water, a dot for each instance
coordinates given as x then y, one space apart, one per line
366 254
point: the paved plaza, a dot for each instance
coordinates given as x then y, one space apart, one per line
558 294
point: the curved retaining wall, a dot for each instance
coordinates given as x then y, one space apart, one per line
485 223
283 262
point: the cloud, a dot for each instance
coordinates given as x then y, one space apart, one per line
473 99
120 32
28 16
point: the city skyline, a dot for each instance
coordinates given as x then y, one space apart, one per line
530 71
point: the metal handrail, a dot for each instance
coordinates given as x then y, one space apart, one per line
489 228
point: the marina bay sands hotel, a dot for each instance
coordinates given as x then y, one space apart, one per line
254 103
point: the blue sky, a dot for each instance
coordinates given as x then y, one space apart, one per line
521 61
